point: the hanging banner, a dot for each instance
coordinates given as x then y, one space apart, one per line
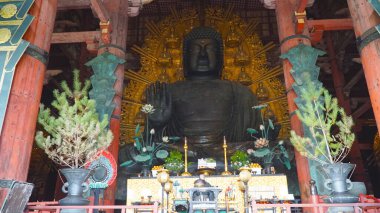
14 22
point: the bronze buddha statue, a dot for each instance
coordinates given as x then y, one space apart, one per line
202 107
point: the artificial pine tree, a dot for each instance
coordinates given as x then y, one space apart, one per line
75 136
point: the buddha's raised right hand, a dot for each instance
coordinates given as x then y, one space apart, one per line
158 95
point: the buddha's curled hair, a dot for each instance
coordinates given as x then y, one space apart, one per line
199 33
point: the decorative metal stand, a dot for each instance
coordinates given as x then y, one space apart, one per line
186 173
226 172
104 174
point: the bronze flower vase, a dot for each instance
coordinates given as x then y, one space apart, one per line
146 170
338 183
267 168
75 187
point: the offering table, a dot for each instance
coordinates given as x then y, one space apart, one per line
260 187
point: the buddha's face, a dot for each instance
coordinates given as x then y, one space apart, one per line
203 56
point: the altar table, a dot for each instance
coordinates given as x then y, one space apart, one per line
260 187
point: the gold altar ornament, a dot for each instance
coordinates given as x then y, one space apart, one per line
185 147
8 11
226 172
163 176
255 165
5 35
245 174
168 187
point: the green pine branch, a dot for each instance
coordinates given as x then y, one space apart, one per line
322 115
75 136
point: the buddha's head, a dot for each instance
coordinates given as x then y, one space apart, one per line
203 53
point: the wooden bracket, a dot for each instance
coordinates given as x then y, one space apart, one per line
300 21
92 46
105 29
316 33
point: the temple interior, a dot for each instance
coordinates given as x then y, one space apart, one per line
148 42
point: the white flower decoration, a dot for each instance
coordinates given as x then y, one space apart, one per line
281 142
144 149
147 108
134 144
165 139
152 132
250 151
262 127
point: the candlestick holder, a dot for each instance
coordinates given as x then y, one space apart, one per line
186 173
226 172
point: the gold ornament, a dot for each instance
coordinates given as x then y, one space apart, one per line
241 58
233 39
165 58
8 11
5 35
173 41
139 119
244 78
262 92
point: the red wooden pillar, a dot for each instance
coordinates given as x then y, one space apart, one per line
19 127
118 10
364 18
339 83
286 27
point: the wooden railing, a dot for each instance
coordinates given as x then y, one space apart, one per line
52 207
316 207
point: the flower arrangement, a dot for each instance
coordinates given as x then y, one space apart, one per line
330 128
174 162
239 159
73 136
146 150
263 148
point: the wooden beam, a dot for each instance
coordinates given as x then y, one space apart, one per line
366 146
100 10
332 24
73 4
301 6
347 88
75 37
362 109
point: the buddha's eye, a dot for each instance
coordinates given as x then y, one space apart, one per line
195 48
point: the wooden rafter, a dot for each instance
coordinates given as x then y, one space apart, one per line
100 10
75 37
73 4
361 110
332 24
